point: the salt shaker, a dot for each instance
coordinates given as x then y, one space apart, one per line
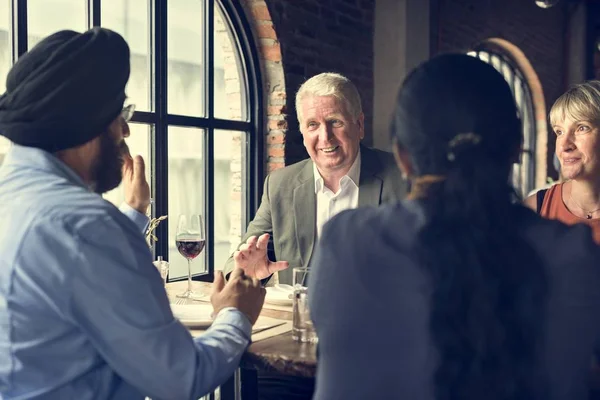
163 268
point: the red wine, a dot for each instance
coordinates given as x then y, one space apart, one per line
190 248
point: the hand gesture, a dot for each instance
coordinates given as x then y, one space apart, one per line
135 185
244 293
253 260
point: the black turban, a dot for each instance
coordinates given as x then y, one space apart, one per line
66 90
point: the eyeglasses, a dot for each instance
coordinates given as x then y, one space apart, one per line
127 112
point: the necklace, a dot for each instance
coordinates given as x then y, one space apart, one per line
588 214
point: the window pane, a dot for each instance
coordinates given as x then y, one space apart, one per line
130 19
484 56
45 17
139 143
229 193
5 52
229 89
186 191
184 51
4 146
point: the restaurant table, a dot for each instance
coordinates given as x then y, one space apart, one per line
279 353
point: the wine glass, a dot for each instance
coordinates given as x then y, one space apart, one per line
190 242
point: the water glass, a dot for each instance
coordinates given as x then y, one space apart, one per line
302 326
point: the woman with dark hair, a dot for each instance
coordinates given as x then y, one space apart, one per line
459 292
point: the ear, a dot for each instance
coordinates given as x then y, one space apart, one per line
403 160
361 125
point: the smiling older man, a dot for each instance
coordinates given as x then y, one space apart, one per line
299 199
340 174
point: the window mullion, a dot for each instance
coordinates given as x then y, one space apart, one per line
18 28
160 142
209 153
93 8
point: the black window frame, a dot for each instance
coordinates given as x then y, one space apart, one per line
160 120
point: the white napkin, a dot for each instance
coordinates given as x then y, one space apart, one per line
280 294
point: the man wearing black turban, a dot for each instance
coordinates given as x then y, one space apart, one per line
83 313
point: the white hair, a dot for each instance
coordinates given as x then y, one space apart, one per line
330 84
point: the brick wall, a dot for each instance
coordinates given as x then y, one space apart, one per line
540 33
309 37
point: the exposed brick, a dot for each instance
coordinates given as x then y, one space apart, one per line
275 151
276 110
301 38
266 31
538 32
277 125
275 138
260 11
271 51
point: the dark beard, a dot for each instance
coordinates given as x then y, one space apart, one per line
107 171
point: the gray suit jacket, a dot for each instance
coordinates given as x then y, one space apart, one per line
288 207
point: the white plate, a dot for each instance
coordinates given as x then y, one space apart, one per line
193 315
280 295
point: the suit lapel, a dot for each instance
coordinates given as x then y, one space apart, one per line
305 213
369 193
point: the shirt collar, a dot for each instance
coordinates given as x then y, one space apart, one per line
23 157
353 174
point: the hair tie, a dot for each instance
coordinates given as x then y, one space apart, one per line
460 140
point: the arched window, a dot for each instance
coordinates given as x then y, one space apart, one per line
523 174
196 86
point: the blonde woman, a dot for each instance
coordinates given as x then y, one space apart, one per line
575 119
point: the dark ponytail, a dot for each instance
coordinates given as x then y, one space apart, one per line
489 285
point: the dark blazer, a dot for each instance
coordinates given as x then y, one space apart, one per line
288 207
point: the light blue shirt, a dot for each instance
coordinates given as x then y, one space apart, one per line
83 312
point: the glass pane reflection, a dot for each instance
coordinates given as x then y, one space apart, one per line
229 88
185 70
130 19
45 17
5 53
186 191
229 193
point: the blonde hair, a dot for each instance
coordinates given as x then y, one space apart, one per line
330 84
580 103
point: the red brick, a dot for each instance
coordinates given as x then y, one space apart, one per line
280 124
266 31
278 138
271 52
275 151
276 110
260 12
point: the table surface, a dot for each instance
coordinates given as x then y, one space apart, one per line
278 353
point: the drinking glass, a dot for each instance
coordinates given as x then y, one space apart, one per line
302 326
190 242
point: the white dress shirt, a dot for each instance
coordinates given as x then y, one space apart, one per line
329 203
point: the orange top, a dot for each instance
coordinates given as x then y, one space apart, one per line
554 207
